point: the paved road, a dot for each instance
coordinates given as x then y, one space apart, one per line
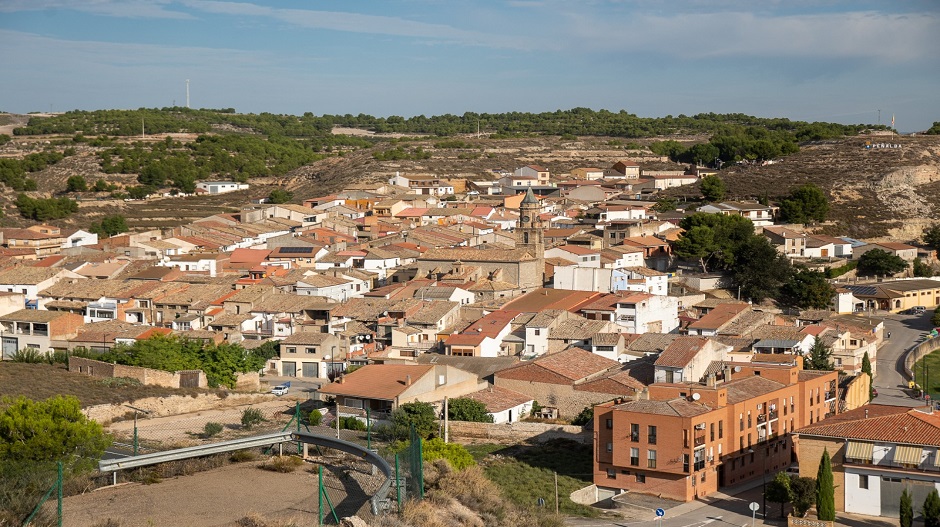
906 332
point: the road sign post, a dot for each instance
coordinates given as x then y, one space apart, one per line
659 515
754 506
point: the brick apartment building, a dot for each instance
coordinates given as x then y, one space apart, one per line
684 441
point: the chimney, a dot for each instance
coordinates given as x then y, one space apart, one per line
711 380
342 379
727 373
408 382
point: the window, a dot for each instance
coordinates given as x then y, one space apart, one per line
862 481
311 350
610 423
741 440
651 459
538 332
641 478
748 418
741 421
634 432
611 473
291 350
610 447
749 440
652 435
635 457
721 429
711 432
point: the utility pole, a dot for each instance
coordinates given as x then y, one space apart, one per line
556 492
446 421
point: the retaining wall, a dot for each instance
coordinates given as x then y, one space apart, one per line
918 352
146 376
512 433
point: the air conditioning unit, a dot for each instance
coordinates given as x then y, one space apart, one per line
760 407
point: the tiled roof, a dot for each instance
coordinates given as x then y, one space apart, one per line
498 399
32 315
681 351
477 255
24 275
649 342
572 364
882 423
718 317
740 390
606 339
377 381
675 407
307 338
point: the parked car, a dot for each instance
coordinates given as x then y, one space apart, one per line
874 392
280 389
918 310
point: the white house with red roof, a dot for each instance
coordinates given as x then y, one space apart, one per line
636 312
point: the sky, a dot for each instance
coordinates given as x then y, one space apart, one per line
847 61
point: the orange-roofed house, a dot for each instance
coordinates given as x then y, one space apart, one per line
384 387
483 338
877 451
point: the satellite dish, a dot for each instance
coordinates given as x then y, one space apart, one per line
696 396
737 369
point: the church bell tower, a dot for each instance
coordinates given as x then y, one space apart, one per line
530 234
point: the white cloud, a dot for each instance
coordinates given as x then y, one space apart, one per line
119 8
862 35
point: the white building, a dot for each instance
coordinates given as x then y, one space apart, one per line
219 187
636 312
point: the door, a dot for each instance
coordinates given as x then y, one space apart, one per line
289 369
824 252
9 347
310 369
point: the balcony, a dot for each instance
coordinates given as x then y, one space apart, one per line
699 440
761 418
772 415
831 395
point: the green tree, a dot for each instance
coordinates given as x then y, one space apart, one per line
866 368
585 416
806 204
279 195
906 509
76 184
315 417
922 270
44 432
421 415
931 509
778 490
825 490
713 188
802 494
759 270
713 239
455 454
110 226
807 289
932 237
935 318
819 357
879 263
465 409
934 130
666 204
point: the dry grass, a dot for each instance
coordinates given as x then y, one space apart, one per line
41 381
283 464
253 519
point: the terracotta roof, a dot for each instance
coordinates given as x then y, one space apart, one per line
746 388
680 352
498 399
882 423
377 381
676 407
542 299
718 317
563 367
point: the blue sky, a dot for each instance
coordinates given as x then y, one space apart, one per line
818 60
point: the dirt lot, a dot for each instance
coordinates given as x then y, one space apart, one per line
216 498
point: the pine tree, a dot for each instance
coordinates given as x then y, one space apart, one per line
866 368
907 509
932 509
819 357
825 490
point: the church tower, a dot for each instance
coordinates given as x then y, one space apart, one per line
529 232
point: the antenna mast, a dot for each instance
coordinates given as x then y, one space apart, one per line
187 93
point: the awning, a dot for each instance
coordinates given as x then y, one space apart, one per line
859 450
936 458
907 455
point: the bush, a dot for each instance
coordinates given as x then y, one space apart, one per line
251 417
351 423
283 464
315 417
29 356
455 454
584 417
212 429
240 456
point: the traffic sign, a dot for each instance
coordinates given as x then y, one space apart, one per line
754 506
660 513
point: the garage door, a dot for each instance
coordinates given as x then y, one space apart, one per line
310 369
289 369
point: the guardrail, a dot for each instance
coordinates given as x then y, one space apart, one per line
114 465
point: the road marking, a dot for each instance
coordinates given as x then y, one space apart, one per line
703 522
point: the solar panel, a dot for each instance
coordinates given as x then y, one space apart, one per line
296 250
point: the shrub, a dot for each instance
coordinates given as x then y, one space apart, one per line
212 429
584 417
455 454
240 456
251 417
283 464
351 423
28 355
315 417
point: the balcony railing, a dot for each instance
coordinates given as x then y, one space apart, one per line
772 415
761 418
830 395
699 440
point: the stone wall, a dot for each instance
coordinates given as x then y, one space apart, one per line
173 405
918 352
248 382
569 401
146 376
512 433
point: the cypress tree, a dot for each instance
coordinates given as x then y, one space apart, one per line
932 509
825 490
866 368
907 509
